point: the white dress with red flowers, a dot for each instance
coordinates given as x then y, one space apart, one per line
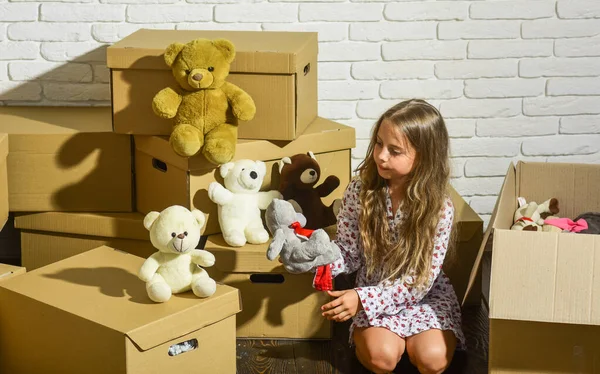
395 305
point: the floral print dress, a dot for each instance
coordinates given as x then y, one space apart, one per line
395 305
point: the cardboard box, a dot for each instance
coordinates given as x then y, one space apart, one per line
8 271
469 234
91 314
163 178
53 236
277 304
277 69
3 180
545 287
62 159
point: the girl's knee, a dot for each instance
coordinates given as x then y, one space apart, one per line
431 359
379 359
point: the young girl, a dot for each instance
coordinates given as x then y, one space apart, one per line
394 228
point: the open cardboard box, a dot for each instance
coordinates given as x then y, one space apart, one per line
53 236
277 69
163 178
60 159
91 314
545 287
8 271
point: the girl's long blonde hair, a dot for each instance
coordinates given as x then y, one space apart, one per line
425 192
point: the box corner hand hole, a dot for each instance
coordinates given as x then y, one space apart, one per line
307 68
267 278
159 165
183 347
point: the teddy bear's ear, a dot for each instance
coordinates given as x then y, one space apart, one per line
199 217
282 162
226 168
172 51
312 155
226 47
149 219
262 168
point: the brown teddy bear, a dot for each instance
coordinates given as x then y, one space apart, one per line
299 175
206 108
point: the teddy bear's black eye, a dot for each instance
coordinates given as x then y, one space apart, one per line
243 169
185 233
210 68
188 71
173 234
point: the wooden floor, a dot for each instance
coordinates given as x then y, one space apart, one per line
335 356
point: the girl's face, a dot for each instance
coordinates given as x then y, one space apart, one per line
393 153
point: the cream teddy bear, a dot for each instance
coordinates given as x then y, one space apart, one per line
175 268
240 202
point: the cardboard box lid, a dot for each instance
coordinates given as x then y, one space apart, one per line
108 225
322 135
10 270
256 51
3 147
101 285
54 120
467 220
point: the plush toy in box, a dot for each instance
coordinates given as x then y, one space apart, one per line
206 107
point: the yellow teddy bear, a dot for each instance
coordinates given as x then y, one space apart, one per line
206 108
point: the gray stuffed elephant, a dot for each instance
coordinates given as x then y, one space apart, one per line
299 252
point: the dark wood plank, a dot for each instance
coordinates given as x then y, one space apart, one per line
265 357
314 357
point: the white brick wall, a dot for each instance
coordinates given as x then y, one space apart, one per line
515 79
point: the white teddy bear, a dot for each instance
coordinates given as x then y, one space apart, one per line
175 268
240 202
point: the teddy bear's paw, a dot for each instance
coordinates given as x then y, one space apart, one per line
235 238
257 236
244 111
159 292
186 140
204 287
218 151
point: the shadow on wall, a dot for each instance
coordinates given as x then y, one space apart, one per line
79 81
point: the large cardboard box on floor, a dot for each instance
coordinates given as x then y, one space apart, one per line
163 178
545 287
277 304
8 271
53 236
3 180
66 159
91 314
277 69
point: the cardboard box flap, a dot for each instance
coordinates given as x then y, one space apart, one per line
546 277
501 213
322 135
256 51
3 147
101 285
468 221
574 185
9 270
108 225
54 120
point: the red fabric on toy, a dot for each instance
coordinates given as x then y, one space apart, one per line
323 279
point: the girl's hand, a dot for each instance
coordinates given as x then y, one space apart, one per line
344 307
